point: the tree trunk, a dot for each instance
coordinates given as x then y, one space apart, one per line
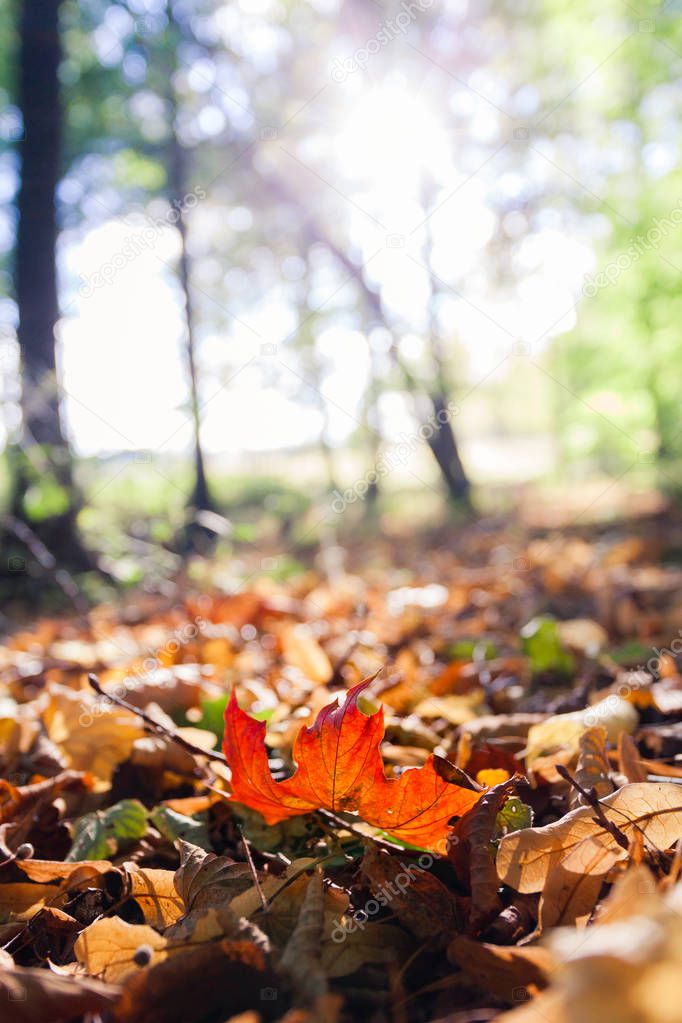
177 172
45 451
444 447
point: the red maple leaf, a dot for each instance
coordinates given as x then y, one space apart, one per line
339 768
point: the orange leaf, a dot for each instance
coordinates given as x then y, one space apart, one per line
340 769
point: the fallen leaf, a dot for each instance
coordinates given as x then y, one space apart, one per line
107 948
419 900
340 769
653 810
563 731
500 969
155 893
205 880
40 996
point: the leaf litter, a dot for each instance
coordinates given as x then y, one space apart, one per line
444 785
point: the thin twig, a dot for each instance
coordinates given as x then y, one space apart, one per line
168 733
254 873
591 798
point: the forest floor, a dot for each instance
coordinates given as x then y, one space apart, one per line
489 826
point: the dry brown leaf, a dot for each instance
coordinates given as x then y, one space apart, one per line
568 898
628 757
155 893
219 976
651 809
302 650
40 996
301 958
106 948
593 770
500 969
563 731
203 880
21 901
93 736
419 900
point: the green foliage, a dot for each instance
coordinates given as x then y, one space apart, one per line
540 642
96 836
173 825
513 816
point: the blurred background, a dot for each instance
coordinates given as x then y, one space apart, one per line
277 274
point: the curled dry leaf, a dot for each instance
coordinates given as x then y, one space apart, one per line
593 770
563 731
502 969
204 880
652 810
470 851
419 900
340 769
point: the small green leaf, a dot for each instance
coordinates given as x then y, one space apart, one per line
89 840
540 642
126 821
96 836
513 816
173 825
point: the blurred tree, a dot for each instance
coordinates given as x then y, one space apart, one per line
44 490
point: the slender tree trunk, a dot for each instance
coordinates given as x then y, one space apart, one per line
201 498
443 444
444 447
177 170
44 449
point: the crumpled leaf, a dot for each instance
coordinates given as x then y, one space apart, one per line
563 731
205 880
340 769
593 770
419 900
502 969
651 810
301 958
471 853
